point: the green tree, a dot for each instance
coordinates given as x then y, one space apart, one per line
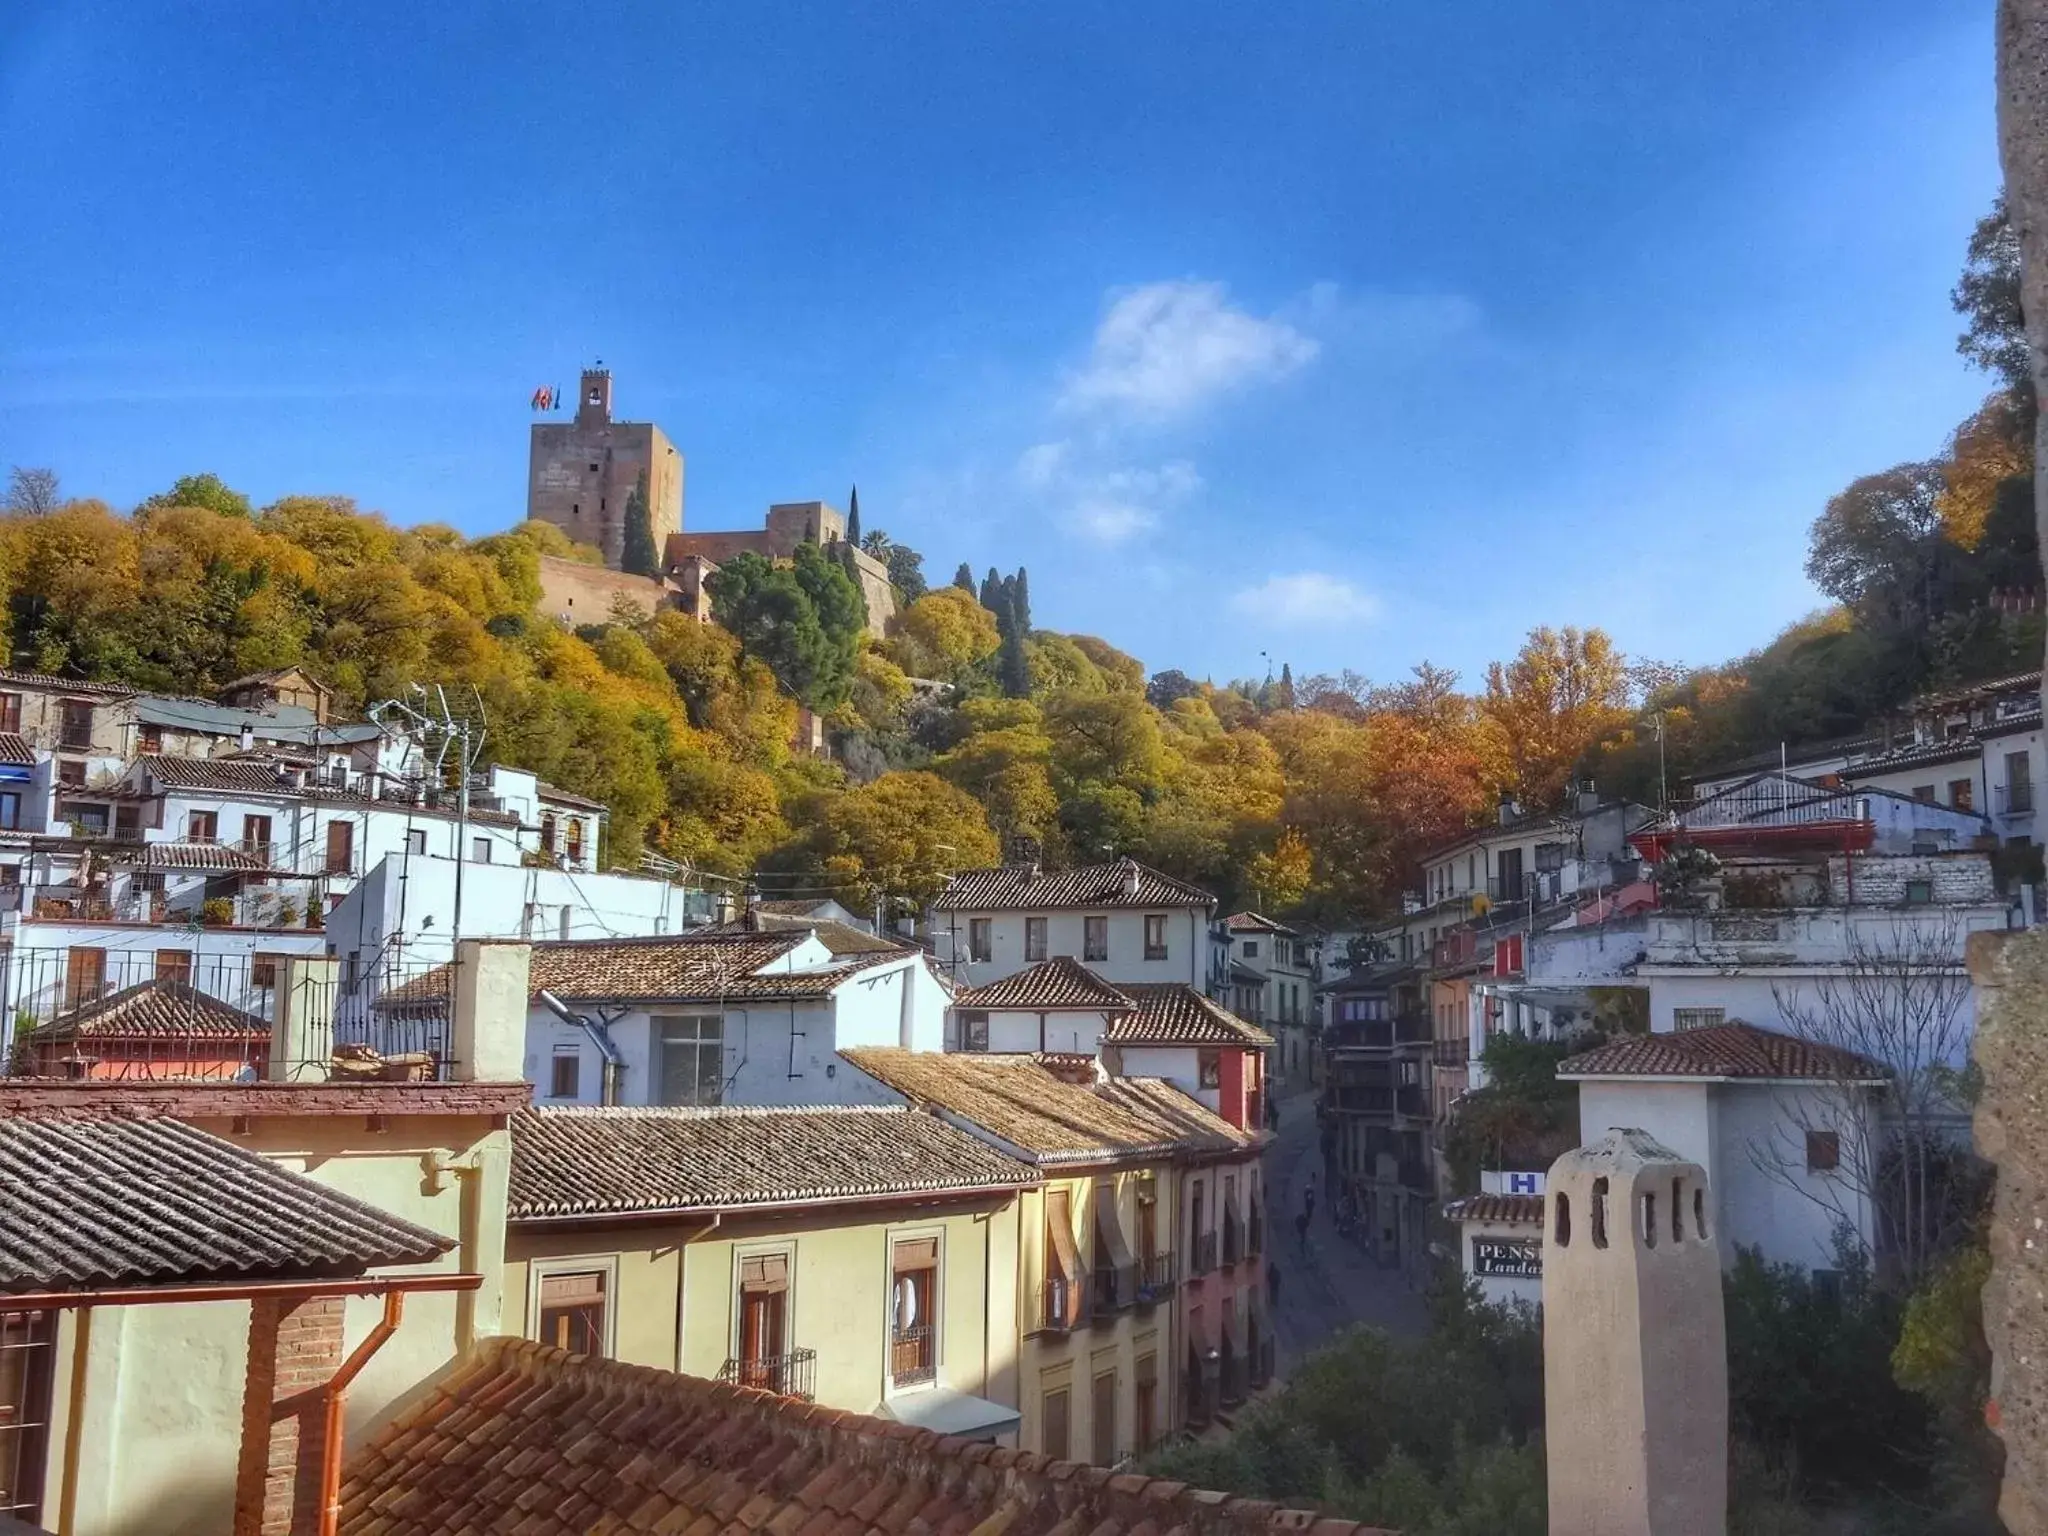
637 553
906 572
1987 296
901 837
772 610
964 578
208 491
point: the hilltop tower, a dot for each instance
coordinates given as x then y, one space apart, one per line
580 472
1635 1347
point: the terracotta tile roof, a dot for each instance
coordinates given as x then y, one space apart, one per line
1731 1050
94 1203
15 751
64 684
1019 887
574 1161
696 967
840 938
1953 751
1061 982
1254 922
1174 1013
1045 1117
1518 1210
528 1439
218 857
554 796
155 1009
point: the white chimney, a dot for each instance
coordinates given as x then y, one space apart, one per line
1130 879
248 736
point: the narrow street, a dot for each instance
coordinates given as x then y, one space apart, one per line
1335 1282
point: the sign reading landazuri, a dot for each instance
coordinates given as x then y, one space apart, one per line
1514 1258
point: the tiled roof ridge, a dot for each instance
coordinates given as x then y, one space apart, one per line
713 1111
1732 1049
787 938
1522 1210
1013 1490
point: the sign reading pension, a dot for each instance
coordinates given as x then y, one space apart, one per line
1516 1258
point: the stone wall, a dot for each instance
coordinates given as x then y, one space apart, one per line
1882 880
577 593
580 473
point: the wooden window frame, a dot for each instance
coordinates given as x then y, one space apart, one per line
570 1056
1035 945
981 939
1093 928
540 1271
1155 936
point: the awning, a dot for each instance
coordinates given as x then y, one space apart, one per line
946 1412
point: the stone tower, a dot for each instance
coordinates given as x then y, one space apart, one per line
1635 1351
580 473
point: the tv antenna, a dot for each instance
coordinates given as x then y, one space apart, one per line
450 731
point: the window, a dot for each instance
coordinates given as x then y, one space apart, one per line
1211 1067
1034 938
1155 935
256 836
1962 794
764 1348
341 848
2019 783
1251 949
547 834
1924 792
1823 1151
692 1058
981 938
1146 1420
416 840
1697 1018
1063 1268
263 969
571 1313
480 850
75 727
1919 892
90 820
565 1081
28 1346
1104 1419
85 973
575 842
71 775
10 721
1052 1425
202 826
1094 938
10 810
174 965
973 1031
913 1293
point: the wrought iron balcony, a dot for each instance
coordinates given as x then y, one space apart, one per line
1111 1289
794 1374
1233 1240
1062 1304
1205 1252
913 1356
1156 1278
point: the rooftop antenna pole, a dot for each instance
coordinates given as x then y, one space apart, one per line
1663 796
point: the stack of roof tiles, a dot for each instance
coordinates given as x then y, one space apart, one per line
1016 887
527 1439
1047 1118
1731 1050
90 1204
568 1162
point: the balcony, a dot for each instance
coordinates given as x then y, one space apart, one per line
1062 1304
913 1356
1113 1288
1233 1240
1156 1278
1255 1233
1205 1252
2015 798
791 1375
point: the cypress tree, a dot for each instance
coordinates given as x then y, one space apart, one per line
1013 666
964 577
853 518
1020 602
992 594
1285 698
637 553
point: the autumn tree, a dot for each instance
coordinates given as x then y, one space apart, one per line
901 837
943 634
1563 691
208 491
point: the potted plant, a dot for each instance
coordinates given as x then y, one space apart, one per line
216 912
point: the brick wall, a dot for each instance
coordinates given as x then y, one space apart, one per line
584 594
1882 880
293 1351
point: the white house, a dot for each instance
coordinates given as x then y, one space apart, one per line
1057 1006
1500 1237
1788 1130
1285 963
715 1018
1123 921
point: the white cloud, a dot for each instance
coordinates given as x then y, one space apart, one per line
1306 599
1164 348
1109 522
1040 465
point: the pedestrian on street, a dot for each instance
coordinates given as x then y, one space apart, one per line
1272 1283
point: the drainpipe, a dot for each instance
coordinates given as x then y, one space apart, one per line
331 1404
601 1037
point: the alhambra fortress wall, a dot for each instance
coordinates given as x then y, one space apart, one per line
579 476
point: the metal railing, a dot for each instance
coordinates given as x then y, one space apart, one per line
1156 1278
2015 798
1112 1288
913 1356
169 1009
787 1375
1233 1241
1062 1304
1205 1252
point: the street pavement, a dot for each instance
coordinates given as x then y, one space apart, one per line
1334 1282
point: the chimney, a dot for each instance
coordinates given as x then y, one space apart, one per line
248 739
1589 797
1509 811
1129 881
1634 1342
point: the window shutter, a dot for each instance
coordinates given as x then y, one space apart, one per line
582 1289
917 1253
765 1272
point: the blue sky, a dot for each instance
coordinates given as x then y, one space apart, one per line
1349 334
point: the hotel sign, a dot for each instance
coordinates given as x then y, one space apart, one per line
1513 1258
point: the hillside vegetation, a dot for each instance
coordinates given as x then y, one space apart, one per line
1311 796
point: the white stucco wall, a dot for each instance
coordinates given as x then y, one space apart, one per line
1500 1289
1017 1031
1187 945
1180 1065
